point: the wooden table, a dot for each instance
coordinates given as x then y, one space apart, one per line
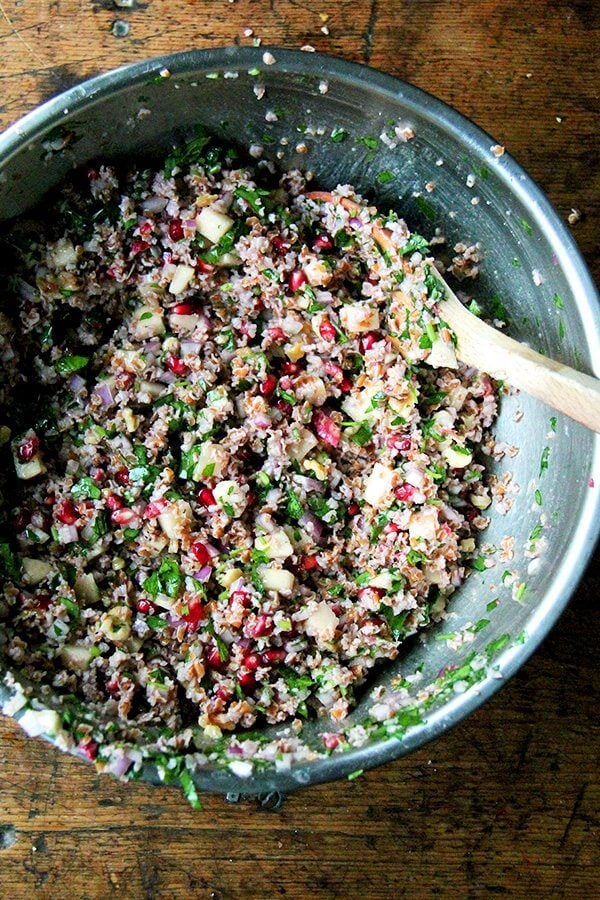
509 802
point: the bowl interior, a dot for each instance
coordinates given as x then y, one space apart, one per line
329 119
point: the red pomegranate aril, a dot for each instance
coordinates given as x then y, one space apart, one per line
176 365
353 509
272 657
327 331
277 334
261 627
322 242
268 386
138 247
122 476
398 441
42 601
331 741
246 681
471 513
66 512
223 693
346 385
175 230
252 661
183 309
241 597
333 370
205 267
196 612
200 553
146 228
89 748
124 516
113 502
290 368
327 430
280 245
99 476
206 497
309 563
50 500
21 520
370 338
285 407
213 660
145 607
391 528
297 279
405 492
124 380
155 509
113 687
27 450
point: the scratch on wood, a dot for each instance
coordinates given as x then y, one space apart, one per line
574 811
369 32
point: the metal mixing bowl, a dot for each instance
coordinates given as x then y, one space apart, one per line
325 110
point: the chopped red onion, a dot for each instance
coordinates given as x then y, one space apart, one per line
355 222
167 377
152 345
76 383
68 534
104 392
262 421
190 224
212 550
312 525
203 574
309 484
118 766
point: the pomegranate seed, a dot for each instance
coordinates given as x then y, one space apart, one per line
297 279
124 380
241 597
272 657
146 228
251 499
124 516
206 497
346 385
138 247
261 627
398 441
66 512
28 449
92 174
285 407
176 365
113 687
99 476
353 509
310 562
246 681
21 520
405 493
196 612
327 331
277 334
145 607
322 242
368 339
213 660
471 513
268 386
223 693
200 553
42 601
331 741
113 502
89 748
183 309
326 428
280 245
391 528
252 661
175 230
332 369
205 267
156 508
290 368
122 476
50 500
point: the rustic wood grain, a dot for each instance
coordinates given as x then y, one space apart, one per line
508 803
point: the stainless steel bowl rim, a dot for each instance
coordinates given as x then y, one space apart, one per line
52 113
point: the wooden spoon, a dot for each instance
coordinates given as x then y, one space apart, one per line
479 345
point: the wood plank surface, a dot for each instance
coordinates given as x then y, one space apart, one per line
508 803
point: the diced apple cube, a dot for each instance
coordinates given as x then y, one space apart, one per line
64 254
228 260
457 457
183 324
211 462
358 317
146 323
383 580
322 622
362 405
213 224
423 524
86 588
226 579
176 519
77 656
303 444
33 468
35 570
480 501
181 278
378 488
276 544
232 497
442 354
279 580
40 721
317 272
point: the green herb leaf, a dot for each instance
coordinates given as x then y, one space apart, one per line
86 488
10 564
294 506
338 135
68 364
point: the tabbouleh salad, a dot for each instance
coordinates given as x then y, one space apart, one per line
246 454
